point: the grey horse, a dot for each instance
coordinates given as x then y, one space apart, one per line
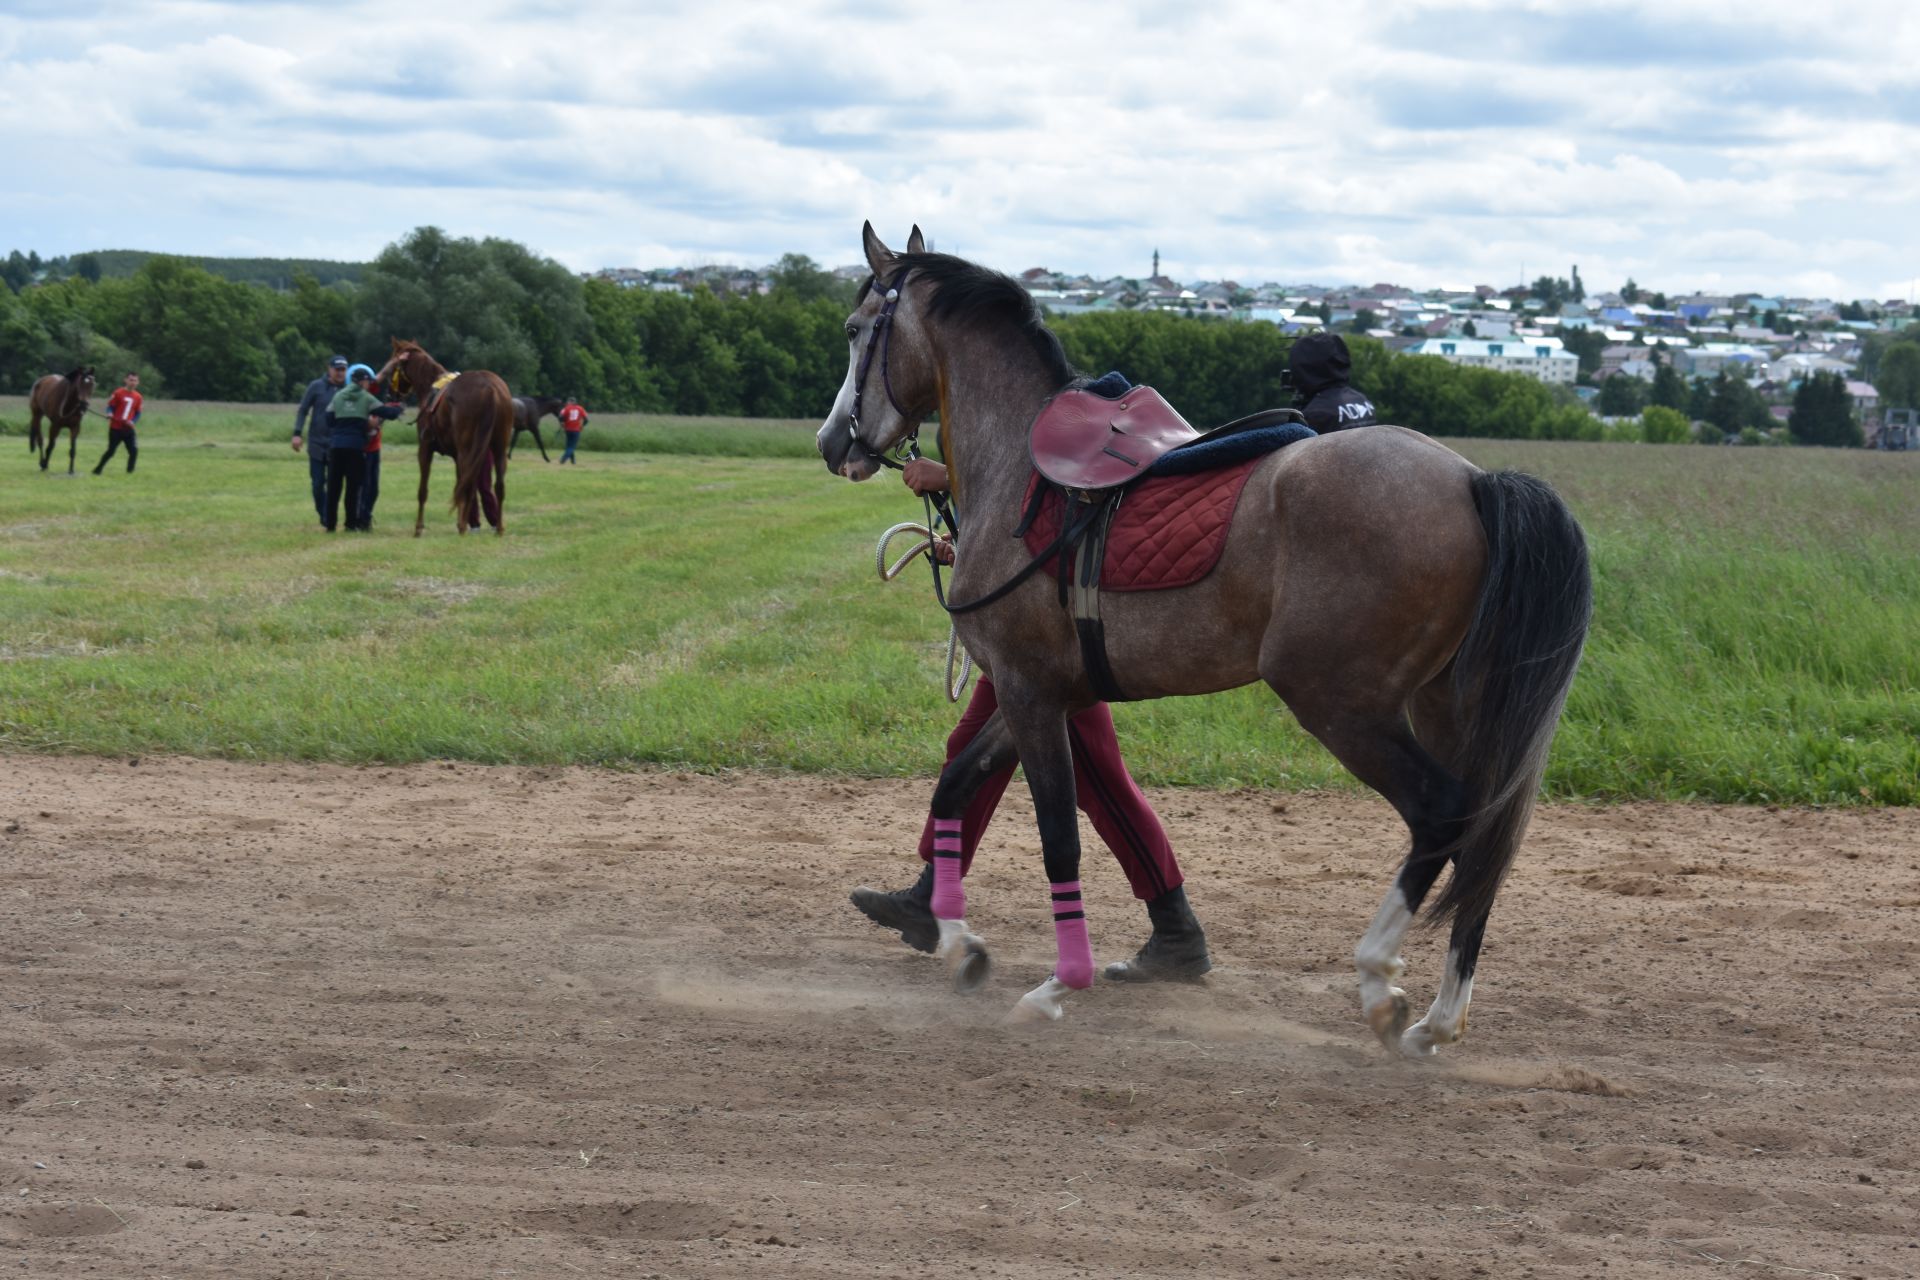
1422 618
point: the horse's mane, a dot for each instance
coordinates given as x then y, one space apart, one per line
76 373
966 292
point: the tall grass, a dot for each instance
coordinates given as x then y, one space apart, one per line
1753 638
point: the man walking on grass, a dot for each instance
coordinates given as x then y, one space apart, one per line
572 419
123 410
311 429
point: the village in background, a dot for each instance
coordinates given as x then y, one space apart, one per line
1552 330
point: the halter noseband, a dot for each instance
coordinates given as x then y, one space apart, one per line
881 337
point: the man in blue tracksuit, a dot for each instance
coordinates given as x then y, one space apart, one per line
311 429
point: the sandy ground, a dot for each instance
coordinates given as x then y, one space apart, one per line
463 1022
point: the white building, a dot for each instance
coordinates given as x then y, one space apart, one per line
1542 359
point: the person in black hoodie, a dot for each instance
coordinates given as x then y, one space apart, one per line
1319 365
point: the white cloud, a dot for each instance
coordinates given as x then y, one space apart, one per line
1684 142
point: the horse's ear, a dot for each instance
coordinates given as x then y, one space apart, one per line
396 343
916 243
879 257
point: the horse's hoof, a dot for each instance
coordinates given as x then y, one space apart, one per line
1032 1013
1388 1018
972 967
1045 1003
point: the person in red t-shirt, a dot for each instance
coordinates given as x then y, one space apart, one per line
123 410
572 419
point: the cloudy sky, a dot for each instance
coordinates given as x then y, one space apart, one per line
1767 144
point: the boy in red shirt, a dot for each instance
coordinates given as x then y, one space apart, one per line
123 410
572 419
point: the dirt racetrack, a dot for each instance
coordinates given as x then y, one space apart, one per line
446 1021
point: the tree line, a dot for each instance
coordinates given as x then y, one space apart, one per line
493 304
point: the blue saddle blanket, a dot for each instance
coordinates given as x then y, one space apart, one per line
1209 455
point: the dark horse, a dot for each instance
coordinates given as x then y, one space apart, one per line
527 412
1422 618
466 416
62 400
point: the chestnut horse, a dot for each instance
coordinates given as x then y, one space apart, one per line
1421 617
63 402
470 419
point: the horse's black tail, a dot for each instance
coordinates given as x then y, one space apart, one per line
1511 676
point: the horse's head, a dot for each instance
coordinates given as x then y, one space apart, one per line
890 384
399 375
80 382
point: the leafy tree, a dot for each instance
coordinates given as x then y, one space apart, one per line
1363 320
1621 396
1669 388
1629 292
207 336
24 345
1661 425
16 271
802 278
1823 413
1732 404
87 267
1898 377
1586 344
1853 311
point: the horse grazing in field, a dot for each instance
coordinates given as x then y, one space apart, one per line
1420 617
527 412
466 416
62 400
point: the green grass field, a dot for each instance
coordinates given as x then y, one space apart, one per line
700 593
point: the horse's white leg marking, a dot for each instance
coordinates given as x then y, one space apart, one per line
1045 1003
965 955
1378 959
1447 1020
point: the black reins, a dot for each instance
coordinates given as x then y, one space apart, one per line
938 511
880 338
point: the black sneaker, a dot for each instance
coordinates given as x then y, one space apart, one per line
905 911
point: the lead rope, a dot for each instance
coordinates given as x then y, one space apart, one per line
959 661
957 656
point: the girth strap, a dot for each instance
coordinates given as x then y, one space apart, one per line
1084 599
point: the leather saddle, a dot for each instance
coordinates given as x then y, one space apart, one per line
1094 448
1085 441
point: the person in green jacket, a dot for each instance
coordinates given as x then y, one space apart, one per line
347 438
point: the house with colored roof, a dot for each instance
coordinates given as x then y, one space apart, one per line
1542 359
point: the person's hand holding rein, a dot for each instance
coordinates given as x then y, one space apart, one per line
924 476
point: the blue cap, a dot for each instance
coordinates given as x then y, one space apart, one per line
357 370
338 362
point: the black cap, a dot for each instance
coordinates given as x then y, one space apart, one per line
338 362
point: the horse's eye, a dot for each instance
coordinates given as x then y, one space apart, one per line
852 333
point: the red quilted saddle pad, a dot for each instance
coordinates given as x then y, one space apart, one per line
1169 531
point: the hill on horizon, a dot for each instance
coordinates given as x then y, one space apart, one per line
274 273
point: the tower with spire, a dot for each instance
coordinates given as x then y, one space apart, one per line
1156 264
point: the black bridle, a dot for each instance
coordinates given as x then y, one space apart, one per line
880 337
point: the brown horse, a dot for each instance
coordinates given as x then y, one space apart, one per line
469 418
1420 617
527 412
62 400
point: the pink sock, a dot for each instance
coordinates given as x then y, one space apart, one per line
949 897
1075 967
